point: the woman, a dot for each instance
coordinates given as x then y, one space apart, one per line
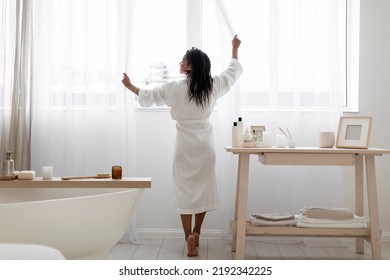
191 102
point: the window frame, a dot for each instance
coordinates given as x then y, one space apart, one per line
351 96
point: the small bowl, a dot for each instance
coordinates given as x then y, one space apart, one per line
248 144
258 144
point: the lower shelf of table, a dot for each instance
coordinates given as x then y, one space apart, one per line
299 231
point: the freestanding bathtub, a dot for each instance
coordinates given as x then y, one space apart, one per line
82 223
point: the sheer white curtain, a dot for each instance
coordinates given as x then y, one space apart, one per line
293 54
7 48
83 119
15 80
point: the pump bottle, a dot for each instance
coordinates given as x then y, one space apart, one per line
240 125
235 135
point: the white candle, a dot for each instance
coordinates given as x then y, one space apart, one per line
267 139
47 172
326 139
281 141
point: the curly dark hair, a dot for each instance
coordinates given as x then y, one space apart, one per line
200 81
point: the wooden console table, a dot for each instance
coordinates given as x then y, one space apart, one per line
38 182
310 156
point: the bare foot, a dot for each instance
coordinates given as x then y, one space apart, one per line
196 235
192 251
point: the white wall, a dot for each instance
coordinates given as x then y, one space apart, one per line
156 215
375 93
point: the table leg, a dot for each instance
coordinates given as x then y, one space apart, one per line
234 239
241 206
373 209
359 199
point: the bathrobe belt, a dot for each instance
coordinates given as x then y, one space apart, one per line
192 121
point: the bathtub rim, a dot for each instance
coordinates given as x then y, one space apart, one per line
57 182
110 191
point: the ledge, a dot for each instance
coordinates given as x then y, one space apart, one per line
39 182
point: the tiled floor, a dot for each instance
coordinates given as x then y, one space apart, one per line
256 248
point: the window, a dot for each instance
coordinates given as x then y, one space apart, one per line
298 55
351 100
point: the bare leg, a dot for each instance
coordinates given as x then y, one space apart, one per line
186 221
198 226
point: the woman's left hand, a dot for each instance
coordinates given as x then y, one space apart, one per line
127 83
126 80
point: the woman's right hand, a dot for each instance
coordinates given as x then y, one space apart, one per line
236 42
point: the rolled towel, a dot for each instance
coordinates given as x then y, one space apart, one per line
26 175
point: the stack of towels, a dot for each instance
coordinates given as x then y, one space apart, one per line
312 217
273 219
329 217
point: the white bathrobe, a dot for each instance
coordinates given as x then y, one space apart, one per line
194 178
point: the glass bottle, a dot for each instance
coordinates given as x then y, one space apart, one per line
9 165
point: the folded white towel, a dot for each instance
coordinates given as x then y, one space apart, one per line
331 225
326 214
273 216
356 222
356 219
261 222
26 175
326 208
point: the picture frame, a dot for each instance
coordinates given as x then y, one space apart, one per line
354 132
258 129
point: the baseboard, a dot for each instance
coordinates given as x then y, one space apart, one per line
385 236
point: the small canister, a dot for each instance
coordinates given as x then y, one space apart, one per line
116 172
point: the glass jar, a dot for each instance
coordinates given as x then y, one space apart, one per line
116 172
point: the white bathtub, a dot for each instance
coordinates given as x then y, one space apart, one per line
82 223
